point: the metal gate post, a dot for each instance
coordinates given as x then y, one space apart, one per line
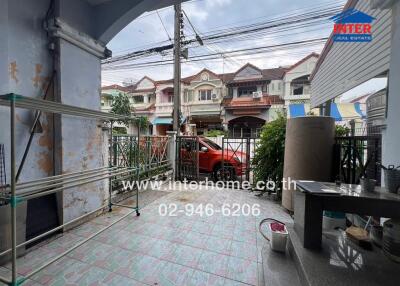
172 152
13 197
138 168
247 166
197 159
110 182
223 156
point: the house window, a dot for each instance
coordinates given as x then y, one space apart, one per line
246 91
188 95
205 94
298 90
139 99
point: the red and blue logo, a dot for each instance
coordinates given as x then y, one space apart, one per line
352 26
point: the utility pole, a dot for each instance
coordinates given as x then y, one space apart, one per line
177 66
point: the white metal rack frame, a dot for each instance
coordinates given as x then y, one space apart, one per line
16 193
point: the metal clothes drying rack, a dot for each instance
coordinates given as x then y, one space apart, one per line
16 193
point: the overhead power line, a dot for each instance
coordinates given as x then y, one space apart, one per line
283 24
165 29
233 53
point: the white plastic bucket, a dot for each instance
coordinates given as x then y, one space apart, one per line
279 239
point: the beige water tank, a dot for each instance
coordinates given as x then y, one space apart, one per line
308 152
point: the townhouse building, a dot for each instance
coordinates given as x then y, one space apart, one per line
239 103
248 104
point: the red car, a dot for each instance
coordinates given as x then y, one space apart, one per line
210 160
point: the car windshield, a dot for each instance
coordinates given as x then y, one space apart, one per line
212 144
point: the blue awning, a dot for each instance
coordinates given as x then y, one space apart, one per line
297 110
162 121
166 120
339 111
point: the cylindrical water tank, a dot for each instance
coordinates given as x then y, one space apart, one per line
376 112
308 152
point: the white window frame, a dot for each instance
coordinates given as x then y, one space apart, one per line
205 95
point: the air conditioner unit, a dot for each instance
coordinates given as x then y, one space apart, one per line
214 96
257 94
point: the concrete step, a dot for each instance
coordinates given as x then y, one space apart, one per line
341 262
278 268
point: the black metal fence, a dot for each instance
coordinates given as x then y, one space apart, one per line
187 158
3 177
146 153
357 156
237 154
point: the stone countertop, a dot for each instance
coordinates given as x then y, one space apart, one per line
325 188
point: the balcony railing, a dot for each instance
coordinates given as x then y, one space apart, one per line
297 97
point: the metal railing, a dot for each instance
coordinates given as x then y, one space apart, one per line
152 151
149 154
357 156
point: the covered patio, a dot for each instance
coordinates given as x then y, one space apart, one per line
161 250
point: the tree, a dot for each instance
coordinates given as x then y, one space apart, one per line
269 154
142 122
121 106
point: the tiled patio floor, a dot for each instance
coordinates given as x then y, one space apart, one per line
155 250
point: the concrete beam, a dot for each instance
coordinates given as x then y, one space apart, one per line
111 17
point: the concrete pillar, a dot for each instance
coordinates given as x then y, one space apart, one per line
172 150
78 141
391 136
287 89
146 98
235 92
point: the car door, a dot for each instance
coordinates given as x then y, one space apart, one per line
204 157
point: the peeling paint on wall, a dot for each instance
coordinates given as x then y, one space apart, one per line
45 139
14 71
39 80
45 162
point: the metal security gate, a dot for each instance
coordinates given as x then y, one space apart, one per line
3 178
357 156
187 158
237 154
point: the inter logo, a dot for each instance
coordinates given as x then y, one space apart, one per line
352 26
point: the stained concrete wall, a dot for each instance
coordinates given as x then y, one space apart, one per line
26 66
81 139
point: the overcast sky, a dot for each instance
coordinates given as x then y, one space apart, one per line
207 15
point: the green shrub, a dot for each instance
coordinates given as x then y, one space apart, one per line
269 153
215 133
341 131
119 131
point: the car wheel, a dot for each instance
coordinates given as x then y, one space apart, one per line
224 174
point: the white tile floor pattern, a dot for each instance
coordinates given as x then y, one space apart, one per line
161 250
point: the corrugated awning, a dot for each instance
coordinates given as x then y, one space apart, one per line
339 111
